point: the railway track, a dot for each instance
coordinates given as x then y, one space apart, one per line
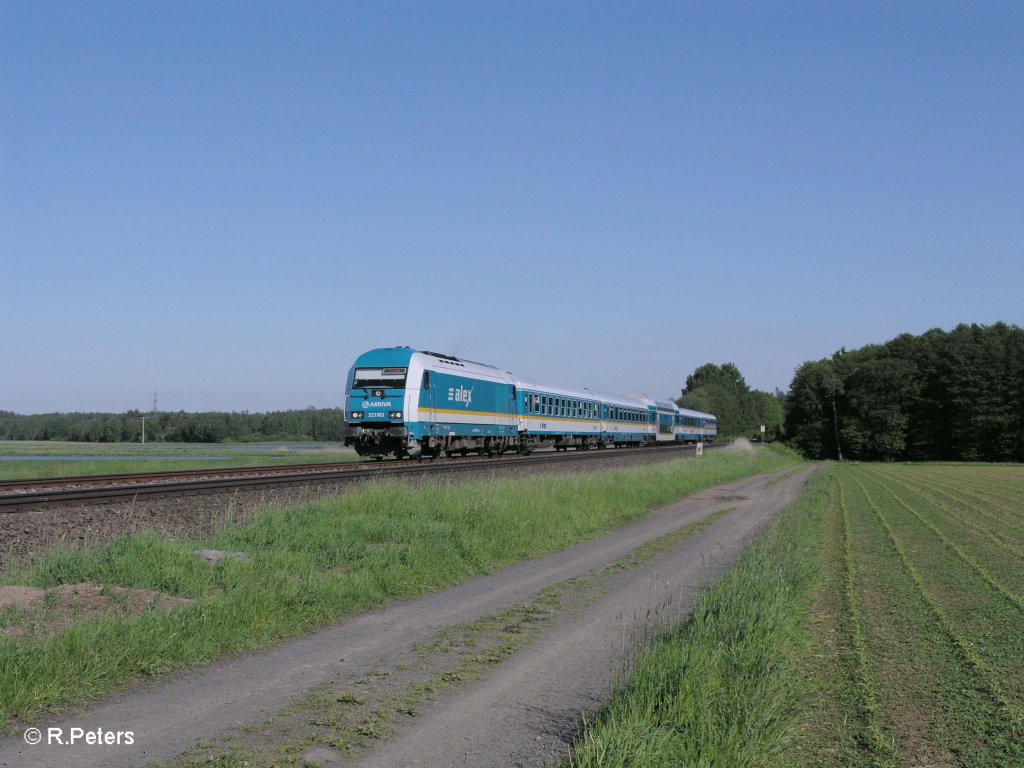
25 495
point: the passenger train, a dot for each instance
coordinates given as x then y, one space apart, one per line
404 403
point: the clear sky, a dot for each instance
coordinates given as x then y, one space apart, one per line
227 202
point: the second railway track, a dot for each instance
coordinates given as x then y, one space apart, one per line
25 495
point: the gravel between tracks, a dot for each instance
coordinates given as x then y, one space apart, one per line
521 711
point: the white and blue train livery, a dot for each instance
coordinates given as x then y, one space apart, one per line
401 402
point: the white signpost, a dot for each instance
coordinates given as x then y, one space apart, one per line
700 449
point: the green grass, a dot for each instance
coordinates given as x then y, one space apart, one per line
117 458
313 564
877 623
718 689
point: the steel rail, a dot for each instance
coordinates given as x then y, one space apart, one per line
20 502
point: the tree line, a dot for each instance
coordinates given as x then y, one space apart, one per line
322 424
739 410
956 396
948 396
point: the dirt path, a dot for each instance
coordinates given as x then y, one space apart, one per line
494 672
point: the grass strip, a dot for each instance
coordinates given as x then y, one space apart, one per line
963 645
718 690
312 564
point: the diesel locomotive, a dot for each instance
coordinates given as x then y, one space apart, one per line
406 403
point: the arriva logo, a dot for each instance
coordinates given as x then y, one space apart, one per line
376 403
460 395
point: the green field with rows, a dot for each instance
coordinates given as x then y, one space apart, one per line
919 626
879 622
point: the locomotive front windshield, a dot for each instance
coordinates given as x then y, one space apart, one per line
389 378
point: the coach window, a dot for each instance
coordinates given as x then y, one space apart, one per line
426 379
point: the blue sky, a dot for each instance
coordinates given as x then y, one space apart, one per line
227 202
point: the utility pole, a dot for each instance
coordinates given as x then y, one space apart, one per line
835 412
143 430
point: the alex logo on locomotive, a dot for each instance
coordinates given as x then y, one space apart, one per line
460 395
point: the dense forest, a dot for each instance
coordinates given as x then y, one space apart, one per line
180 427
955 396
740 410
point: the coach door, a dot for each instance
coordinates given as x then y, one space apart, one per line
431 413
513 411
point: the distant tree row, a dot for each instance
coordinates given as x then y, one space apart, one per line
939 396
740 410
309 424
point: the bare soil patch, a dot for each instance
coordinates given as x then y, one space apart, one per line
34 612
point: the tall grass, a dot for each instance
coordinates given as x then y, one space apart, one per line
312 564
719 689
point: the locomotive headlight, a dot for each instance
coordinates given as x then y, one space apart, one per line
357 414
395 414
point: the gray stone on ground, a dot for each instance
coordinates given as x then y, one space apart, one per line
216 555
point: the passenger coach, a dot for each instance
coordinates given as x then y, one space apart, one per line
403 402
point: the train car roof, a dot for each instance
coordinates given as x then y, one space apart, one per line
583 394
690 412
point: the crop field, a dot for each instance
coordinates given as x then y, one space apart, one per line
887 630
920 624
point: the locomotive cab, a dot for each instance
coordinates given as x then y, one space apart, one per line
375 400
